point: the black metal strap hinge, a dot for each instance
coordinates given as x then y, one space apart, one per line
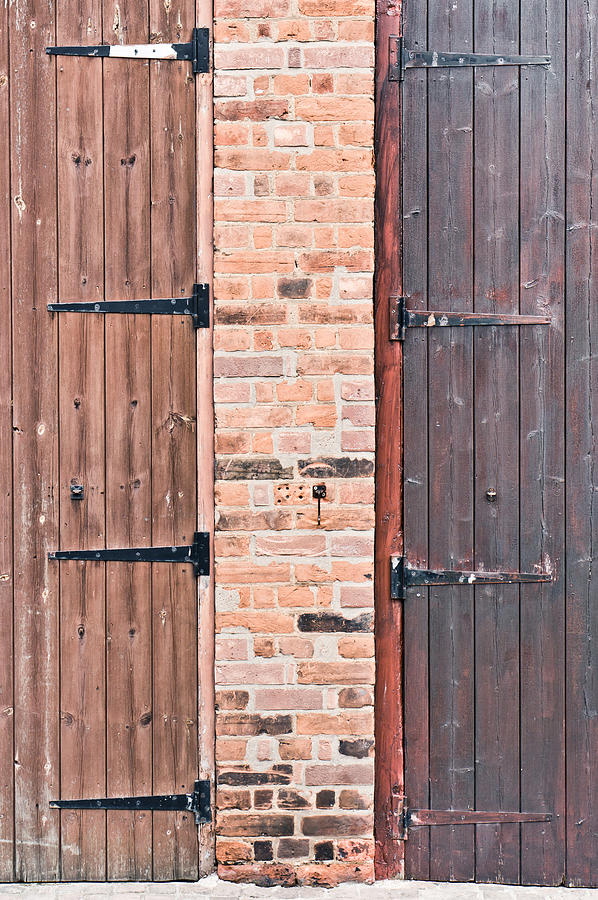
197 51
402 318
403 57
198 554
402 577
406 818
197 306
197 802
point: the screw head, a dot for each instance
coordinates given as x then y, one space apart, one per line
491 495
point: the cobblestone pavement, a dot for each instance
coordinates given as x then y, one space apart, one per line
222 890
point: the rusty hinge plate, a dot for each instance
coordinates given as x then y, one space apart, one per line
406 817
403 57
402 318
403 576
197 306
197 802
197 553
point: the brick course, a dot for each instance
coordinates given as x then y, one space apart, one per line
294 401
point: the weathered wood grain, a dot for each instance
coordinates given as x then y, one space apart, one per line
450 411
496 433
128 442
581 447
542 471
174 448
389 535
6 523
416 474
35 441
81 428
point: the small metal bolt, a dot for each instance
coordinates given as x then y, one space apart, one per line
319 493
77 492
491 495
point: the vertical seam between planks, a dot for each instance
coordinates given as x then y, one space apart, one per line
473 434
105 412
58 470
564 563
12 433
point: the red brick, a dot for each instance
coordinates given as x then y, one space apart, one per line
256 56
357 773
335 672
254 673
291 545
288 698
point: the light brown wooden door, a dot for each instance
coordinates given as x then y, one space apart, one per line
99 683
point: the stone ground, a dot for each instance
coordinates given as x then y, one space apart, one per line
222 890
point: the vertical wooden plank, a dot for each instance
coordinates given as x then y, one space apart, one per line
6 525
35 444
174 449
416 475
450 405
204 157
128 442
581 448
389 534
81 425
496 422
542 440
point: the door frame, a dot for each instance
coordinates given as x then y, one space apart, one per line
206 630
389 776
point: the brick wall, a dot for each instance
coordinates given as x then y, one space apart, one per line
294 407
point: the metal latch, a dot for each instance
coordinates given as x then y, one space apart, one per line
403 57
197 51
403 576
197 306
402 318
197 802
198 554
405 817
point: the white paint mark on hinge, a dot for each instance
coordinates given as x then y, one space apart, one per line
143 51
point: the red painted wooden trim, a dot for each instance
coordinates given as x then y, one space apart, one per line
389 536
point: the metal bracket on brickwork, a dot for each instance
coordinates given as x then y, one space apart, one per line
402 318
403 576
198 554
403 57
197 802
406 818
197 51
197 306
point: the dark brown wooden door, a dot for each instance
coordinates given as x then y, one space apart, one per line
98 662
500 453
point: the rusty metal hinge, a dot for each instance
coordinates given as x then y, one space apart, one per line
197 553
402 318
403 576
406 817
197 802
197 51
197 306
403 57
